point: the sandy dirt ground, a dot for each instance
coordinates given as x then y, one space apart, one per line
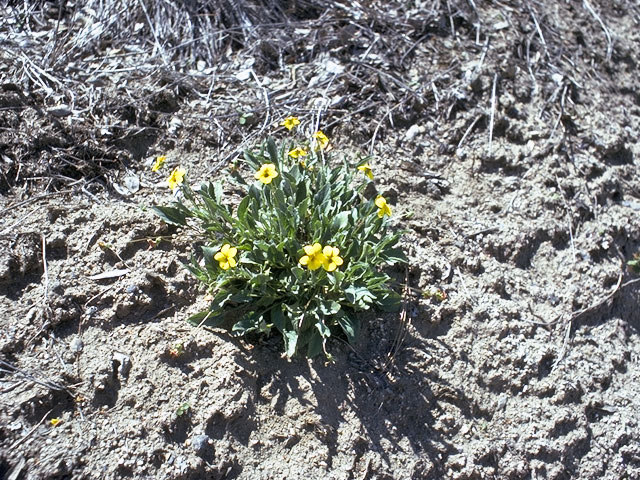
505 136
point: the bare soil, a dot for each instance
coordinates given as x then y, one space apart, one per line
505 135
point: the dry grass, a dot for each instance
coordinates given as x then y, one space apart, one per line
88 89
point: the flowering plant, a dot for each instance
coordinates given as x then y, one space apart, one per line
302 253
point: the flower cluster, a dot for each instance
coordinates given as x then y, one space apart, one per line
316 257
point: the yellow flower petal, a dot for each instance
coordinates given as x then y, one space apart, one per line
158 163
176 177
304 260
225 256
366 169
266 173
290 123
297 152
317 261
322 139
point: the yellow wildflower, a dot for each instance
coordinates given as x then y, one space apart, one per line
54 421
159 162
290 123
225 257
298 152
333 260
321 140
267 173
314 257
176 177
366 169
383 208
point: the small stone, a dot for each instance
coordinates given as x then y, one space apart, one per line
60 111
76 345
200 442
123 363
413 130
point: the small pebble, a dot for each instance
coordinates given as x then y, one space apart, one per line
123 363
200 442
76 345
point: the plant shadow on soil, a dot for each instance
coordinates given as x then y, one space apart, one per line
391 408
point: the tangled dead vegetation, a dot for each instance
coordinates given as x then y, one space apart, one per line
87 88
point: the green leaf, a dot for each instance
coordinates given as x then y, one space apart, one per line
183 409
250 322
277 318
350 326
255 192
329 307
217 192
315 345
209 253
340 221
242 208
172 215
260 280
290 342
251 160
237 178
394 255
391 302
323 329
359 296
273 151
207 317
